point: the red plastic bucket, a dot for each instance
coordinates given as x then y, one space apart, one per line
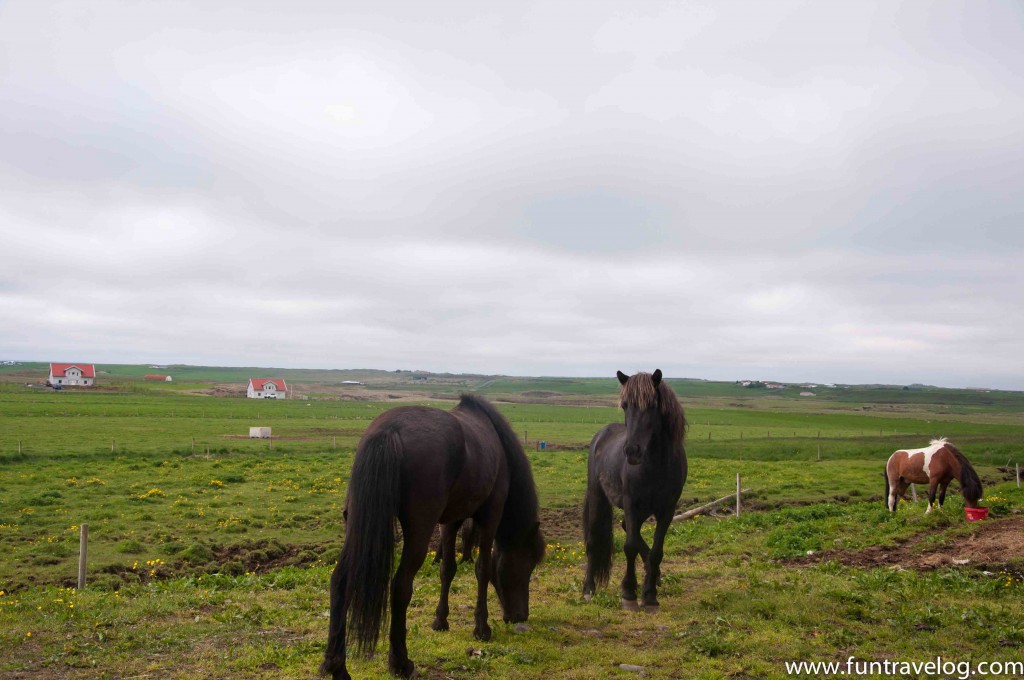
974 514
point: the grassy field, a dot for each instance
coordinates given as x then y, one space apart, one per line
210 552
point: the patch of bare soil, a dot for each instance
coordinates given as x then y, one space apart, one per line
221 390
256 556
562 525
994 545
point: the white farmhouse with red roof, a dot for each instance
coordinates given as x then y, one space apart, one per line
267 388
72 374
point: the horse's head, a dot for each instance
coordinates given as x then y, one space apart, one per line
511 571
640 399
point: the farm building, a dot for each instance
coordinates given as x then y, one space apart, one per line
267 388
72 374
164 378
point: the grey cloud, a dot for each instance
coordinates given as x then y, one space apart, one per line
814 191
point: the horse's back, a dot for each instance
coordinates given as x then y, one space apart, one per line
484 473
433 449
607 440
920 465
605 461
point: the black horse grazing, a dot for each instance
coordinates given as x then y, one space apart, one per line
639 467
426 466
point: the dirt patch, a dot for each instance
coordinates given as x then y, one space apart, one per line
1009 474
258 556
994 545
562 525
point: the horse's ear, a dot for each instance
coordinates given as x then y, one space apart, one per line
656 377
622 377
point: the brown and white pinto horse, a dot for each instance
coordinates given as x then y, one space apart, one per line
936 465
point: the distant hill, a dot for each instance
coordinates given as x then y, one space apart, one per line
370 383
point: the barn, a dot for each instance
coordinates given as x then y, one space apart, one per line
72 374
267 388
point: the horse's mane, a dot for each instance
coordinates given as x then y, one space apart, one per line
941 441
521 507
970 483
641 391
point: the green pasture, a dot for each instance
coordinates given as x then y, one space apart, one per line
212 559
81 422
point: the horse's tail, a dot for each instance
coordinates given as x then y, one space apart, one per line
970 483
597 533
887 489
369 551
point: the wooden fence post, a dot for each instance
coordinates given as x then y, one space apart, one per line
83 551
737 494
913 491
707 507
1018 475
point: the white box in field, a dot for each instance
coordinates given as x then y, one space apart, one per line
259 433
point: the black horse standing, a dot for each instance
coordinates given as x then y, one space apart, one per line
424 466
639 466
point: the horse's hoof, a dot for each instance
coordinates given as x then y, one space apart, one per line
587 597
407 669
630 605
652 608
440 624
483 634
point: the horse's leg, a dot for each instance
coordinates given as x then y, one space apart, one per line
894 497
482 629
334 659
437 555
653 575
632 549
645 550
448 569
932 486
942 493
898 489
414 551
469 538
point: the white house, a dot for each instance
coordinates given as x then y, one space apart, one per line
267 388
72 374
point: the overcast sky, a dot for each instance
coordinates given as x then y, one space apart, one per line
826 191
